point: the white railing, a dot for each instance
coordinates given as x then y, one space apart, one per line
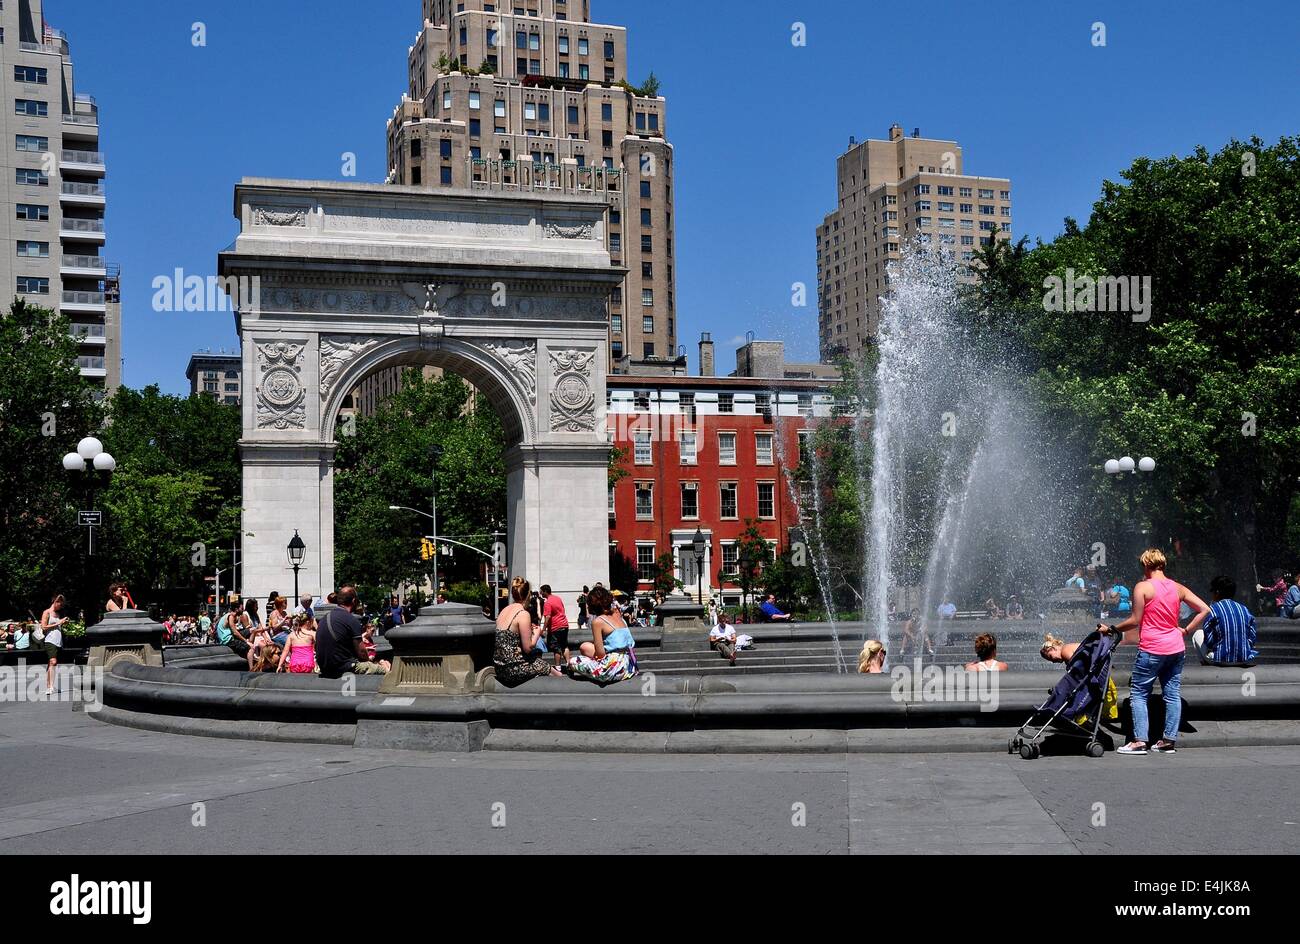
83 262
83 190
70 119
83 157
81 226
83 298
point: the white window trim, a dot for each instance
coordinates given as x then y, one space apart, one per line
736 516
722 460
758 504
771 449
636 503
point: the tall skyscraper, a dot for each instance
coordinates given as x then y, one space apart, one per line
52 187
532 95
891 192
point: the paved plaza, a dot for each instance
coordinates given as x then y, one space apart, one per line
71 784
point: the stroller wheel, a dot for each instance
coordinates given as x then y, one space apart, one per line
1028 751
1095 749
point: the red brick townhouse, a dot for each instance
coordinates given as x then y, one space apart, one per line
707 453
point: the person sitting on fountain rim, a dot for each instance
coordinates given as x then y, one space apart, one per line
722 638
986 651
871 660
340 641
1291 602
1015 609
1229 633
771 610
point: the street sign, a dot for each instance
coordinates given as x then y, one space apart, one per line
90 519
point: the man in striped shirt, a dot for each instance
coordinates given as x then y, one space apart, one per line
1229 634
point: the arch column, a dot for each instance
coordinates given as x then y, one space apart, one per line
287 486
551 490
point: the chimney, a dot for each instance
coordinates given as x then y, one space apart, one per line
916 132
706 354
852 140
895 131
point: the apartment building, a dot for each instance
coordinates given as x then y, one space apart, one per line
52 188
890 193
710 453
533 95
218 375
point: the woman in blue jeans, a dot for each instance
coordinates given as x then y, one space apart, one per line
1156 604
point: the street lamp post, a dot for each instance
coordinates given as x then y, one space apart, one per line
297 551
435 453
1128 468
698 544
89 459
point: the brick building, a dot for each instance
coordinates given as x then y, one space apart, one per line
709 452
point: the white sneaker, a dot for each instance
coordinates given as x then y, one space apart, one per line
1136 747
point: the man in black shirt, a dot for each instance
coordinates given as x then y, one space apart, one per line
340 649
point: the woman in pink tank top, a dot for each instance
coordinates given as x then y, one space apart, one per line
1157 601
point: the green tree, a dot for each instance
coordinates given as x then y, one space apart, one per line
390 461
46 407
650 87
753 554
1210 384
665 580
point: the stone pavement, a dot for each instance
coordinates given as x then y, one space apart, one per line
70 784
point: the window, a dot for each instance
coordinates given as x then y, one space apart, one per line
607 139
33 212
521 40
615 242
986 209
611 504
645 562
726 448
616 323
767 499
28 285
473 100
805 404
726 403
647 270
645 188
944 190
34 76
647 243
640 121
534 42
727 496
583 72
583 48
32 248
805 436
530 110
564 45
967 208
609 49
444 176
27 106
616 350
763 405
986 194
645 216
763 448
686 442
730 559
645 500
30 178
964 192
499 108
690 500
416 176
647 298
642 453
573 114
606 112
31 142
475 128
444 148
648 350
686 405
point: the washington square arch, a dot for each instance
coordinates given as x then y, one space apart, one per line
507 289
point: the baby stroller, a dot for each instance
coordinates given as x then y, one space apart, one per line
1078 697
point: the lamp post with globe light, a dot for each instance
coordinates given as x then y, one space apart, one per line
92 461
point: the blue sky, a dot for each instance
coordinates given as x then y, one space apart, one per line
283 88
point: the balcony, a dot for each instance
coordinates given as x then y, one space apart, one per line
82 301
82 229
92 366
91 162
88 333
82 194
82 265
